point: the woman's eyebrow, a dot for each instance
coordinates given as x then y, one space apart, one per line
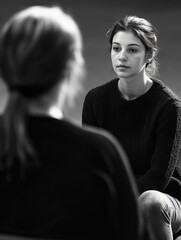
131 44
134 44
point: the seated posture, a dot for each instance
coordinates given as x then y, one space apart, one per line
57 180
145 116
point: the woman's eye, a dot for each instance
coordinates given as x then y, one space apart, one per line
115 48
132 50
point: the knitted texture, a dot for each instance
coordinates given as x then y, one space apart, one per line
148 128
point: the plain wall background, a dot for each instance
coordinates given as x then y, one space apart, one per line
94 18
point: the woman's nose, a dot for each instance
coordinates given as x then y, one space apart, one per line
122 56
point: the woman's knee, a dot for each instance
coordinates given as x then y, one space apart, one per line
152 202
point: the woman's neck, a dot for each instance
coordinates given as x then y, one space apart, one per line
50 104
55 113
52 111
134 88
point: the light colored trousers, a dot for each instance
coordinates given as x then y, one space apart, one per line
163 213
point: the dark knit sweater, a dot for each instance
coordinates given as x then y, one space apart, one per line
149 129
75 193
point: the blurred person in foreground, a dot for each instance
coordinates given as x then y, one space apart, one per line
57 180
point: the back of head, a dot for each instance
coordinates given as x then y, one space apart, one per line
36 47
146 32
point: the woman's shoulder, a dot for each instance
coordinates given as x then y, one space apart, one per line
96 138
91 135
166 89
69 133
166 94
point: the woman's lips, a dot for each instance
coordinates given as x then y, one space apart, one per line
122 66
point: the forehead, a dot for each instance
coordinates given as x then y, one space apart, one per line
126 38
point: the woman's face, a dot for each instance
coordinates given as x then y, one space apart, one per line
128 54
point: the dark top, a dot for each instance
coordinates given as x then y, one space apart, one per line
83 187
149 129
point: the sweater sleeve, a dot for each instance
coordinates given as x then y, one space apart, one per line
166 152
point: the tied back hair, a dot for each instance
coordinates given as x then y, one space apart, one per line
35 47
17 145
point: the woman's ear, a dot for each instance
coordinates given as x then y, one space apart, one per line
148 58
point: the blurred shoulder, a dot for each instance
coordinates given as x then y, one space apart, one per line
100 140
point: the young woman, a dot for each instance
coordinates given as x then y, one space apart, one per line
57 180
145 116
